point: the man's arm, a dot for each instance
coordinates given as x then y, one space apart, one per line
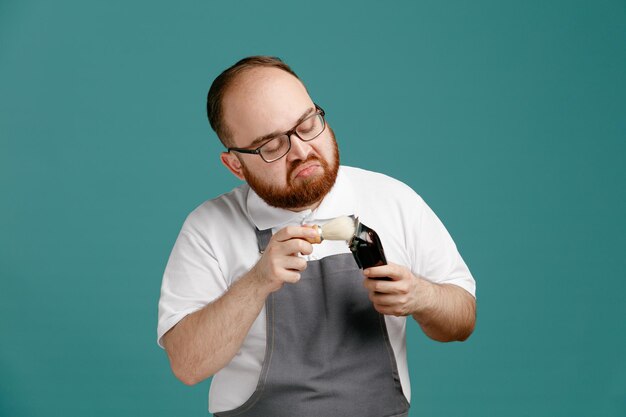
445 312
204 342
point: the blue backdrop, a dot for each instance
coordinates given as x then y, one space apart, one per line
507 117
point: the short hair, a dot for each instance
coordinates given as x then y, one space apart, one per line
220 85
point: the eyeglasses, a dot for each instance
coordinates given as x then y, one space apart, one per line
279 146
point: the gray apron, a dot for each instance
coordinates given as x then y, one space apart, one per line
327 351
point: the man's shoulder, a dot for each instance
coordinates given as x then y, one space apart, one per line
377 182
223 209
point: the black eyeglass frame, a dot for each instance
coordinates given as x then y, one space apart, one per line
257 151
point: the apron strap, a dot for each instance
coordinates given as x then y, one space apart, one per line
263 238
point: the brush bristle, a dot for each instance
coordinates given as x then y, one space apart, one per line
341 228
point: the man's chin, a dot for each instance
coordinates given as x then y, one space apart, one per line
303 192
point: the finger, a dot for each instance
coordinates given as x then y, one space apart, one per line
388 300
400 287
283 268
379 271
292 232
288 248
275 273
380 299
295 246
393 271
291 276
295 263
385 287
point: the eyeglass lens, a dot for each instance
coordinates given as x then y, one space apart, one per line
309 129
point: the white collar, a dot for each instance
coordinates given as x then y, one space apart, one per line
340 201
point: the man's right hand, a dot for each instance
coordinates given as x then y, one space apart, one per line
281 261
205 341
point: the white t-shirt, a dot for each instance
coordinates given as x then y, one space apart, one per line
217 245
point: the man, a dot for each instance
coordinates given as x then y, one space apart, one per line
286 327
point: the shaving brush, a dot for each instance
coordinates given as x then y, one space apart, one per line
363 241
341 228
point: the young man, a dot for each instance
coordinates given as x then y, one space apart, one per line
286 327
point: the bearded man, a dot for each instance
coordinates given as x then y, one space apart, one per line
286 327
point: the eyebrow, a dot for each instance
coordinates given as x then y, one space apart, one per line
263 138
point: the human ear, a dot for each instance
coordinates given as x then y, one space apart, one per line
233 164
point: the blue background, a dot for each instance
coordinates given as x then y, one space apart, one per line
509 118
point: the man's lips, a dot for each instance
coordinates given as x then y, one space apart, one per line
306 169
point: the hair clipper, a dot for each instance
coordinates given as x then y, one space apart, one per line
366 247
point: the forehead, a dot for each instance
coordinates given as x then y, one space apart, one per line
261 101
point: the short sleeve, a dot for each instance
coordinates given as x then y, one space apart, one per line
437 257
192 279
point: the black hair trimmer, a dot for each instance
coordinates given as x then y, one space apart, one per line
366 247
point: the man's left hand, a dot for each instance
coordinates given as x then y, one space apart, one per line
400 294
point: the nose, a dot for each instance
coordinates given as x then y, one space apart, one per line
300 150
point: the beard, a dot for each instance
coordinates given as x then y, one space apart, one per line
302 194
